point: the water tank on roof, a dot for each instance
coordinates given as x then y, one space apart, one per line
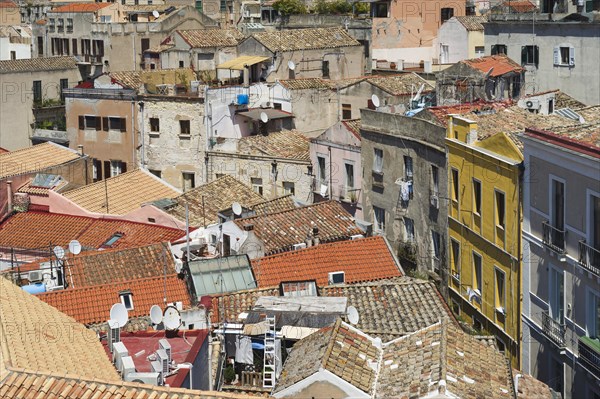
243 99
36 288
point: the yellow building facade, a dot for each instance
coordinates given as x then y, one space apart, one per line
484 220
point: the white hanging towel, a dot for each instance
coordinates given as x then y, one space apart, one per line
405 191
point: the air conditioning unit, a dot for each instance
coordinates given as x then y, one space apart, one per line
533 103
114 334
35 276
266 104
434 201
119 352
144 378
357 237
336 278
300 245
166 346
163 358
157 367
127 366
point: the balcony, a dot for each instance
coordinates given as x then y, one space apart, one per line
348 193
589 355
553 237
554 330
321 186
589 258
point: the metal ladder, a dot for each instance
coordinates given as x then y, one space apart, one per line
269 359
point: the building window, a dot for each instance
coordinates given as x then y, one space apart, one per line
145 43
564 56
477 197
189 180
112 240
223 5
349 176
530 55
37 91
114 123
116 168
557 205
199 5
499 49
500 209
107 18
89 122
126 299
64 84
557 294
592 325
184 127
455 259
346 111
455 192
289 188
154 125
477 276
409 230
13 55
378 160
40 45
69 25
51 24
436 242
479 51
61 25
379 214
257 185
408 168
321 171
446 14
435 180
325 69
500 290
380 9
156 172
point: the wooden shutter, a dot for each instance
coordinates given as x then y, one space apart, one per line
75 47
105 124
81 122
556 55
106 169
123 124
98 123
123 167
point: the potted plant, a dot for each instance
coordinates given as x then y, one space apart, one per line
353 197
229 374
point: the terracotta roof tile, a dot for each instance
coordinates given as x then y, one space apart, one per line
392 308
289 144
34 159
204 202
361 260
518 6
305 39
8 4
280 231
80 7
199 38
530 388
90 305
126 192
227 307
131 79
501 64
36 336
305 83
279 204
402 84
353 126
39 229
472 22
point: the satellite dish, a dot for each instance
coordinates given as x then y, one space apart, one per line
375 100
59 252
352 314
171 318
155 14
291 65
156 314
74 247
237 208
264 117
118 312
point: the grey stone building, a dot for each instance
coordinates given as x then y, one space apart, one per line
404 186
561 258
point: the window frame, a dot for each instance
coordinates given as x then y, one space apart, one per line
530 59
477 200
182 123
346 111
455 259
377 160
379 219
592 313
499 297
455 179
409 233
286 187
153 126
257 185
408 168
192 175
477 278
494 49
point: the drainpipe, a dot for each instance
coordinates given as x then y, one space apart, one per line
9 193
517 383
142 123
133 160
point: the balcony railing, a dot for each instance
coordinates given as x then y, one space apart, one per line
554 330
589 258
348 193
321 186
553 237
589 354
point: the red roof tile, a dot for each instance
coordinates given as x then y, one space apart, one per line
281 230
81 7
39 229
361 260
90 305
501 64
441 112
519 5
8 4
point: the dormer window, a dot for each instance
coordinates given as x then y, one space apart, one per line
112 240
127 299
337 278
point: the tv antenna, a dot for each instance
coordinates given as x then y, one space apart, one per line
352 315
118 313
74 247
236 208
291 65
375 100
171 318
156 315
264 117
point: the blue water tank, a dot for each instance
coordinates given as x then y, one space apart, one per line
243 99
36 288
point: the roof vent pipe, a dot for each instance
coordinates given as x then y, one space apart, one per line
9 195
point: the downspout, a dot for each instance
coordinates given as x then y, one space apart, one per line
133 160
142 123
520 259
517 383
330 177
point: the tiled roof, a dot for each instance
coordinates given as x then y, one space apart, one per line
90 305
305 39
563 100
340 349
131 79
160 48
519 5
34 159
305 83
8 4
415 364
30 188
392 308
361 260
472 22
126 192
531 388
280 231
289 144
204 202
587 134
439 114
29 384
36 336
227 307
40 229
278 204
80 7
501 64
199 38
403 84
353 126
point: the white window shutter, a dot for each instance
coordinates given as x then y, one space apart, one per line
571 56
556 55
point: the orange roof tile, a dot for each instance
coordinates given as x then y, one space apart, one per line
8 4
501 64
40 229
81 7
36 158
364 259
519 5
91 305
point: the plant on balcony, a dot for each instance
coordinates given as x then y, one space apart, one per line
353 197
407 251
229 374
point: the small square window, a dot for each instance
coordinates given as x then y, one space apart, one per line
288 187
184 127
127 299
154 125
346 111
257 185
112 240
379 214
189 180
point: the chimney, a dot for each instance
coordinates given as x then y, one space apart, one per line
80 149
9 195
248 227
472 135
315 234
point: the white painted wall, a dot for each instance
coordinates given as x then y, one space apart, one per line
23 51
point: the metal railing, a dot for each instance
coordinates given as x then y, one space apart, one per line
553 237
589 353
589 258
553 329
